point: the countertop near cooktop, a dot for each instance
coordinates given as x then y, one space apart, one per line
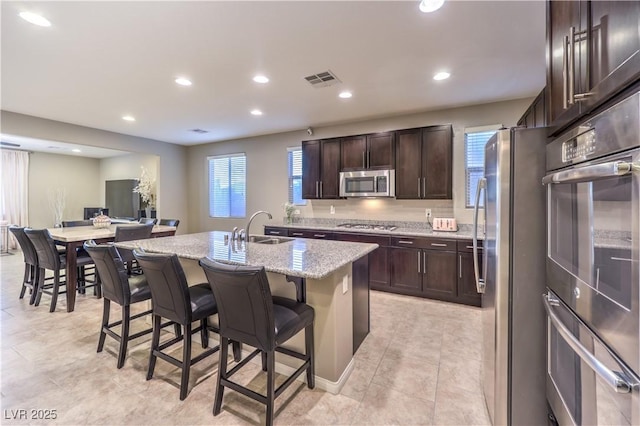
464 232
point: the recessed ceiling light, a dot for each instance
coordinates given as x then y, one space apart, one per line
128 118
183 81
75 150
35 19
256 112
441 75
427 6
345 95
261 79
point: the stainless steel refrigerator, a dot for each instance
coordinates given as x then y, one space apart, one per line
512 276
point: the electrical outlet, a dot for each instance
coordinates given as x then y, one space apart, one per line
427 213
296 211
332 210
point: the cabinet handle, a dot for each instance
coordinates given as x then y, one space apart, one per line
404 242
317 192
470 247
424 263
459 266
621 259
565 72
572 64
297 234
363 160
320 189
419 189
418 261
424 187
319 235
368 159
274 232
438 245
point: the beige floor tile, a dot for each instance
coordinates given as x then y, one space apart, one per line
384 406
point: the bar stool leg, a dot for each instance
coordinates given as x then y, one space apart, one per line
56 287
155 342
124 335
186 361
222 374
105 322
271 384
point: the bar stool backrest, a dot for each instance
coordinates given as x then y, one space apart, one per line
168 284
169 222
28 250
48 256
245 305
113 274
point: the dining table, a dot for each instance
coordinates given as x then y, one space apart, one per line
74 237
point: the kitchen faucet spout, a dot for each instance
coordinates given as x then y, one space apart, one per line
253 217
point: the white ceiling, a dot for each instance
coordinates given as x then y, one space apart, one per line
102 60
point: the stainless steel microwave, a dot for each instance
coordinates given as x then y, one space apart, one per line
368 183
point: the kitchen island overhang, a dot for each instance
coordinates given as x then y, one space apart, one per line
323 268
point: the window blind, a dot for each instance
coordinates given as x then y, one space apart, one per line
227 185
474 142
295 176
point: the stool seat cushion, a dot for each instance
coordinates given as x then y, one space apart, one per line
203 304
139 288
290 317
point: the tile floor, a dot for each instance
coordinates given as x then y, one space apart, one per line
419 365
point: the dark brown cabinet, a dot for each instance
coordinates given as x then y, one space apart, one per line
374 151
406 270
310 233
378 259
439 269
536 114
272 230
467 291
594 51
320 169
424 163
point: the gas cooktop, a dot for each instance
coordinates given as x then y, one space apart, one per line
376 227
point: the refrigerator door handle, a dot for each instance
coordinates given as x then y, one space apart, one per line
615 379
591 173
480 282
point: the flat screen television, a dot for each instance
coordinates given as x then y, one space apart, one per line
120 199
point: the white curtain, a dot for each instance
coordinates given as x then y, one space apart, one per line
14 189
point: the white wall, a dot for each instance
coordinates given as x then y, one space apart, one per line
267 169
172 168
78 176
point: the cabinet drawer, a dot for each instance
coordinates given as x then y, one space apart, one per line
437 244
380 240
408 242
467 245
310 233
270 230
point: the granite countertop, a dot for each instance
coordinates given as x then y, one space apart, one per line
314 259
82 233
464 232
612 239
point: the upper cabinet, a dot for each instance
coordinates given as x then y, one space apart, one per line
374 151
536 114
424 163
320 173
594 53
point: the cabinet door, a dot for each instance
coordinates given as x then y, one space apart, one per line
408 163
561 17
406 267
467 292
310 169
311 233
330 169
379 268
273 230
440 274
353 153
437 159
540 111
615 46
380 151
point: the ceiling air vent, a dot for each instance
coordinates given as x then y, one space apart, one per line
322 79
199 131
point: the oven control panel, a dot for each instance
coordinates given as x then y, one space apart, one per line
579 147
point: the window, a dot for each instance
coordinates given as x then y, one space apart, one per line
475 139
227 185
295 176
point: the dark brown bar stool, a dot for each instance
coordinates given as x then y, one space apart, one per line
122 289
50 258
89 271
249 314
30 279
130 233
169 222
175 300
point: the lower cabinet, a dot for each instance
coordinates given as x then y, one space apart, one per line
417 266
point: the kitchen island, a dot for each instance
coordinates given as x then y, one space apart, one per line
328 275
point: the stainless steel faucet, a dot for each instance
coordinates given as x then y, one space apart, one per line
253 216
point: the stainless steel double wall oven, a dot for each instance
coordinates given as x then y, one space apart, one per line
593 256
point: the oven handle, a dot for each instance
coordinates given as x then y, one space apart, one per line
591 173
616 380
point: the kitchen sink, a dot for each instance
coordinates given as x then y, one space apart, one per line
268 239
